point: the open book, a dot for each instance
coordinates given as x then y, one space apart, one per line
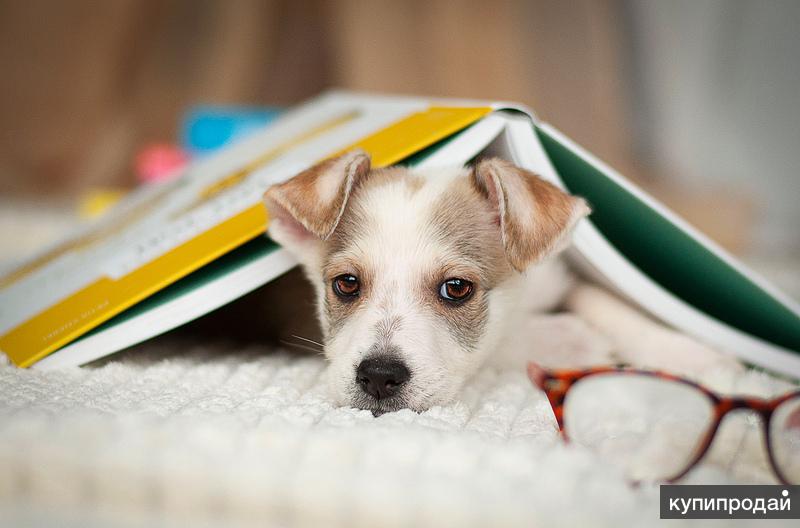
175 251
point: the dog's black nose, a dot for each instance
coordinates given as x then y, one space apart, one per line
381 377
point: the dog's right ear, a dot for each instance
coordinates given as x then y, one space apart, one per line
306 209
534 216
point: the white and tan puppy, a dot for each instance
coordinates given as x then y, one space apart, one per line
420 276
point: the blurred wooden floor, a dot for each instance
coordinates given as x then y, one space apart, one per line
86 82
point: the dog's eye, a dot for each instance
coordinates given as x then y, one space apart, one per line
346 285
455 290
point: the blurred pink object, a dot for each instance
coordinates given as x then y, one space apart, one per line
159 161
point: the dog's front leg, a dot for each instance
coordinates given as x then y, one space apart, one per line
639 340
560 340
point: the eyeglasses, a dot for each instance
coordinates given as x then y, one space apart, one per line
658 426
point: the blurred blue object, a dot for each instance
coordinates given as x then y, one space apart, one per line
207 128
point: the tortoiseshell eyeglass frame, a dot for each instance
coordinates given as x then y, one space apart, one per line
556 385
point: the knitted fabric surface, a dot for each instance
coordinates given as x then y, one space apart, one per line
212 435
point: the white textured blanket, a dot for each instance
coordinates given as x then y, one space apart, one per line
210 436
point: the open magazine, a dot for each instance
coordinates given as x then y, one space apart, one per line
176 251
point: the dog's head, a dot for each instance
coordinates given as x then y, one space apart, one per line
415 273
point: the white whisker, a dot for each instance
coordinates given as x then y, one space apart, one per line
303 347
309 340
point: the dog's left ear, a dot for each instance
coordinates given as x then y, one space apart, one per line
535 217
307 208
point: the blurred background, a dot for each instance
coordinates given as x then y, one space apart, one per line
696 100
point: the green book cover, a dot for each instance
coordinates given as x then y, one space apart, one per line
670 256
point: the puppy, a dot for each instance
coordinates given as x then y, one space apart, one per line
421 276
